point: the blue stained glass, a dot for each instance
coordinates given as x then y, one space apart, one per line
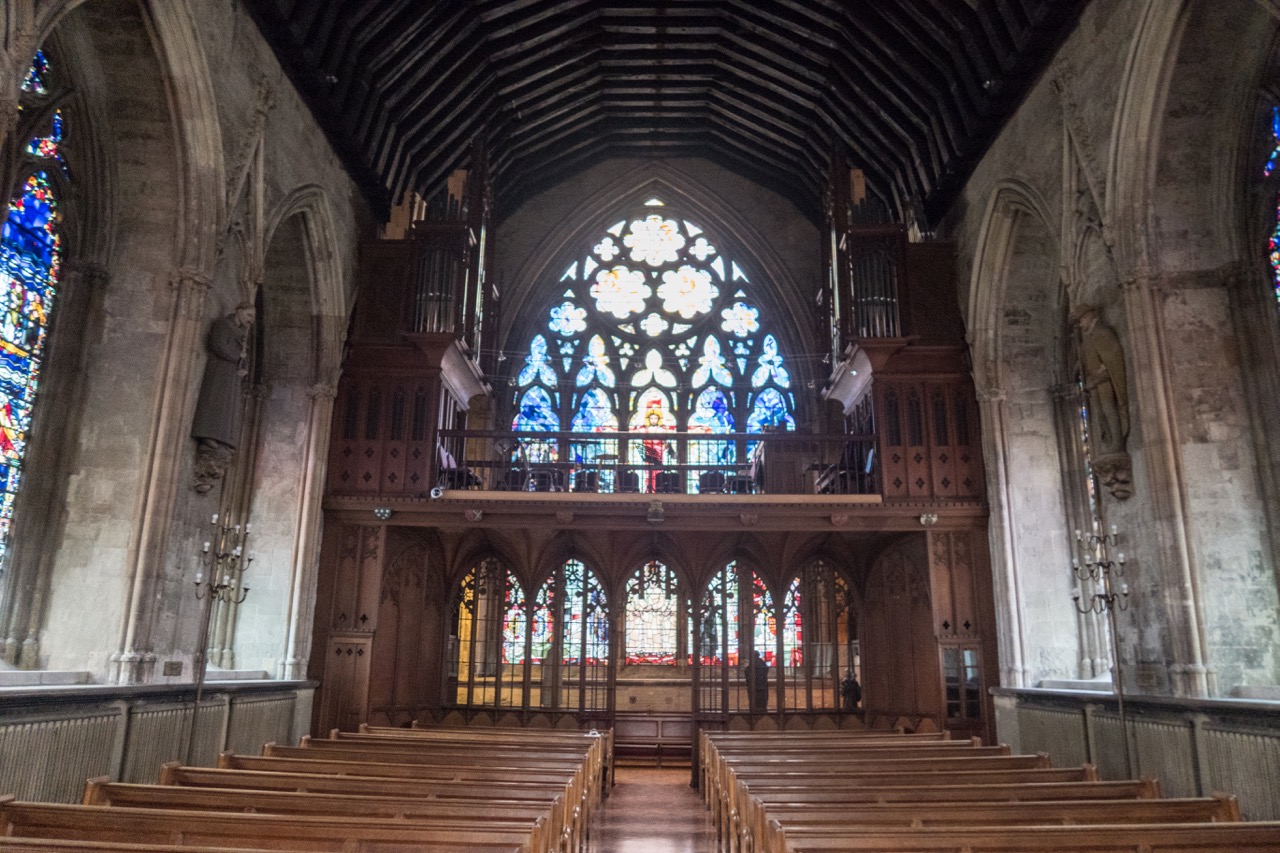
769 410
597 365
48 147
770 366
537 412
537 367
30 257
568 319
595 413
36 81
1273 242
651 279
740 319
711 365
1275 136
711 412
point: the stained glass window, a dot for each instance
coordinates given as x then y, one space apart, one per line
1273 242
656 331
30 260
550 652
809 642
35 82
652 619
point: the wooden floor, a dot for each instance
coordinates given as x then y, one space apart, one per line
653 811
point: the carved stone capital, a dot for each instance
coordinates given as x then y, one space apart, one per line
187 280
992 395
213 458
90 273
1115 473
322 391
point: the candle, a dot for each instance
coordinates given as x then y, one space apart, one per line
215 519
1124 588
1121 558
205 549
199 578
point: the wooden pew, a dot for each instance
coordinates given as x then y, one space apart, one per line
60 845
275 832
727 809
102 792
778 798
782 765
1127 789
582 786
518 738
718 751
843 770
761 819
416 751
1260 837
457 794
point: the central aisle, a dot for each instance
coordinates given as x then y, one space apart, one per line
653 811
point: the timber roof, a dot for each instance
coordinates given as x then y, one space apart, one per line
913 90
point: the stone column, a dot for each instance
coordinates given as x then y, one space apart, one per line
1171 552
306 550
166 444
992 406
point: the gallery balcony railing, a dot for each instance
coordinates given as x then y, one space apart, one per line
657 463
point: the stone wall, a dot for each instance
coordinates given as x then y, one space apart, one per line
207 179
1126 171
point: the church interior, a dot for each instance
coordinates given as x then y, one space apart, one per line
625 380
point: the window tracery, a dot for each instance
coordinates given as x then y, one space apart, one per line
1273 240
30 263
655 331
547 649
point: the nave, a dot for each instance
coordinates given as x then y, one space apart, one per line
444 790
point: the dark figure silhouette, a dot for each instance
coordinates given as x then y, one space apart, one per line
851 691
757 675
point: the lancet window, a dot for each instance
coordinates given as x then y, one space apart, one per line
807 637
30 261
654 331
546 650
1273 239
655 611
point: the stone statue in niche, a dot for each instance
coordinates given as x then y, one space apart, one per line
1106 388
216 427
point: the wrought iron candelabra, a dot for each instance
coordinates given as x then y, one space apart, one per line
223 562
1094 566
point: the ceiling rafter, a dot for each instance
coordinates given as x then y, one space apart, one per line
913 90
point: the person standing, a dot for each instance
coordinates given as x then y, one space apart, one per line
757 677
